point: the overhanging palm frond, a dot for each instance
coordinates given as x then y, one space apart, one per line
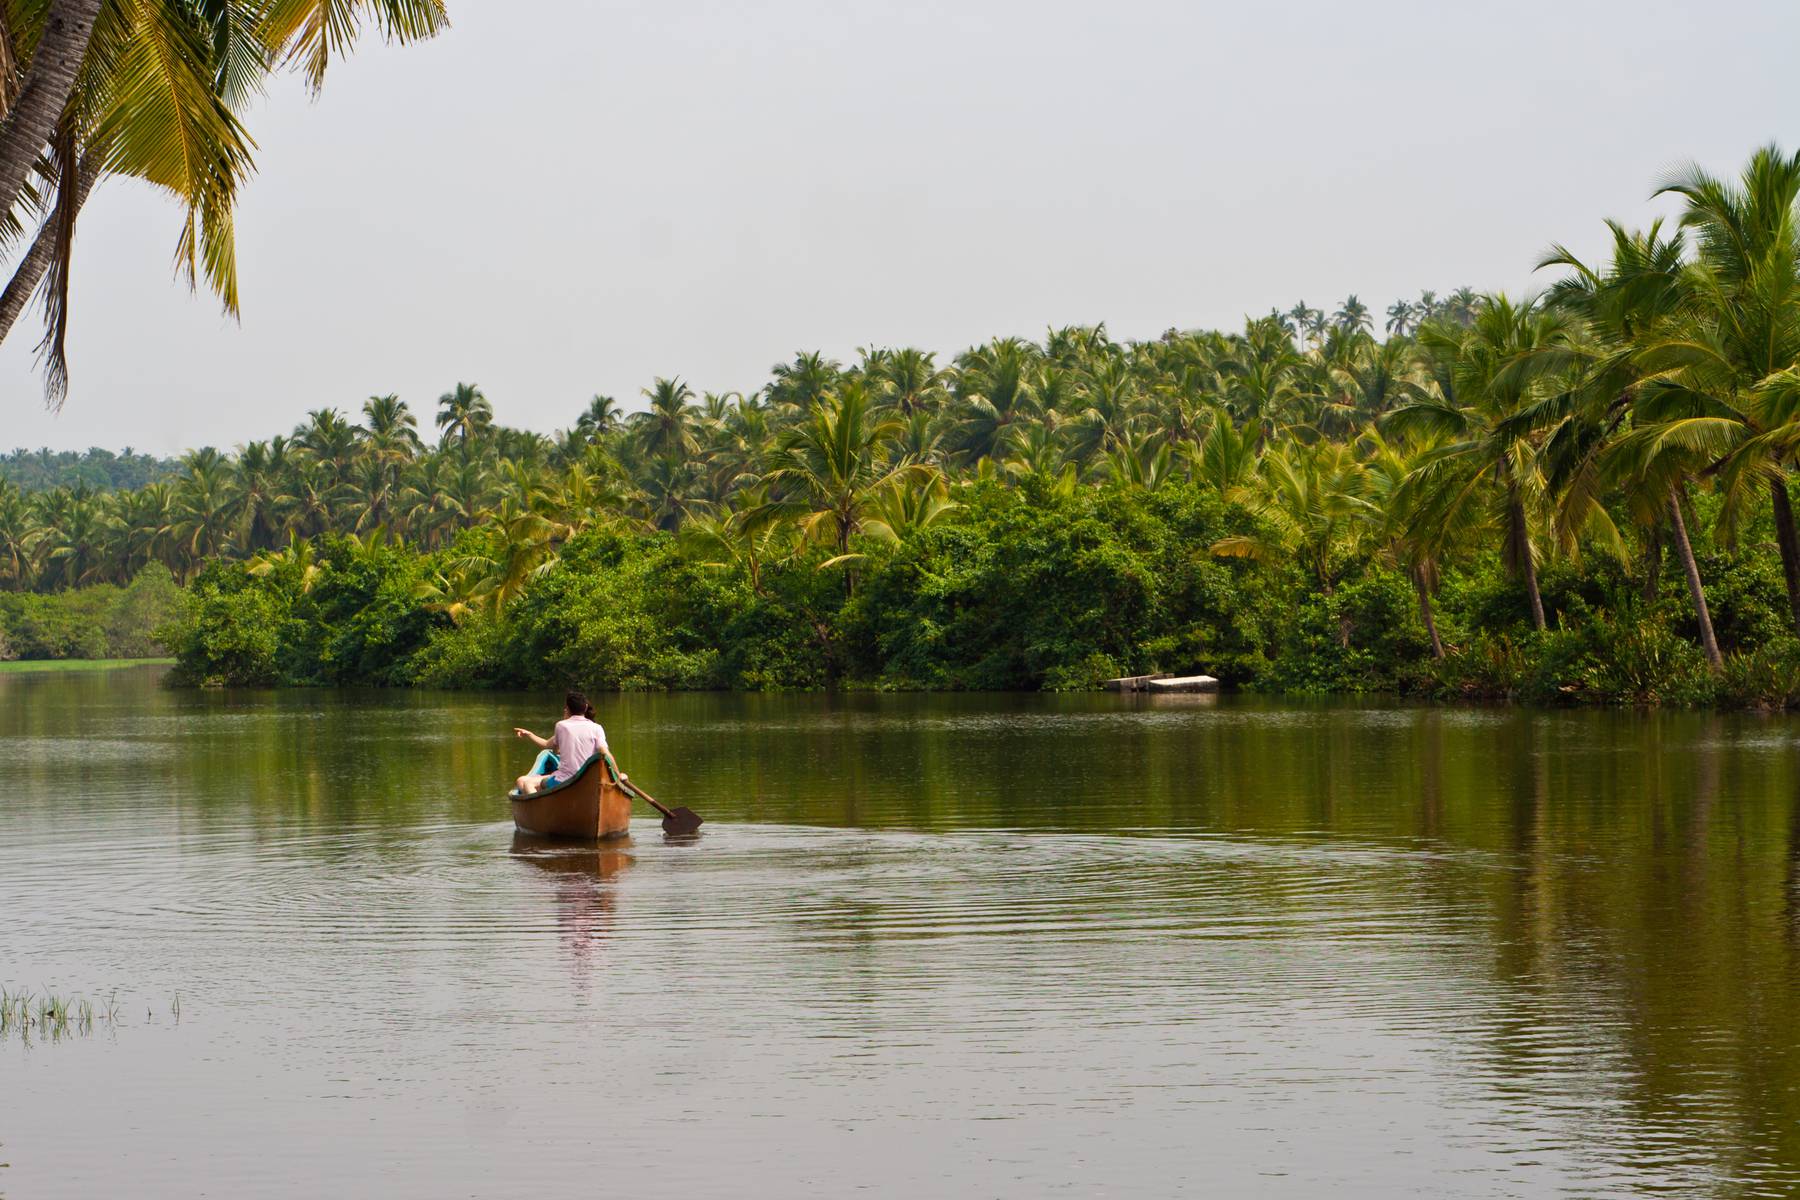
311 33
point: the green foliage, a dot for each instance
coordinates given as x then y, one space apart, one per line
1767 677
66 625
142 614
360 617
95 468
1592 660
1366 636
1029 589
101 621
232 631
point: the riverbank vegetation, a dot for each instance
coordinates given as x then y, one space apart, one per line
1578 496
100 621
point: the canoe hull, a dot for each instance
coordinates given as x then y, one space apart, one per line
592 806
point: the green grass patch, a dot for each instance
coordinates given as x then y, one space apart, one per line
79 664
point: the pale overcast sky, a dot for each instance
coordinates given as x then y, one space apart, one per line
561 197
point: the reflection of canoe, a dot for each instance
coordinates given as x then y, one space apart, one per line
556 856
590 805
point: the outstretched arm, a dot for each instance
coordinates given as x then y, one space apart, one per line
534 739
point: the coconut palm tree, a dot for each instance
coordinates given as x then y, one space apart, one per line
1482 458
1316 503
297 562
1655 461
1308 322
1462 306
671 489
750 537
834 467
1112 405
589 492
920 438
600 419
1369 379
331 440
19 537
910 507
1633 302
424 505
452 589
465 414
993 394
1406 536
468 492
1227 459
1739 339
259 483
908 381
527 550
312 498
1143 462
144 527
668 429
802 383
392 430
1040 450
152 91
1401 318
76 544
1259 378
1352 314
204 510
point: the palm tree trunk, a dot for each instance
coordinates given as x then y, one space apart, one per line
1653 557
1789 542
1437 643
1685 551
48 82
1515 519
843 547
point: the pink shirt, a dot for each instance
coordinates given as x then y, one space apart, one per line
576 740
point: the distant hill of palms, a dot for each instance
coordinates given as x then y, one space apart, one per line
99 470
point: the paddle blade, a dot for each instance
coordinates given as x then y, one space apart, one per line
681 821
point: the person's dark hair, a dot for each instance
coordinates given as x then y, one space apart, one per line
576 704
589 711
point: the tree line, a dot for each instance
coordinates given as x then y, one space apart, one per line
1629 429
98 468
823 451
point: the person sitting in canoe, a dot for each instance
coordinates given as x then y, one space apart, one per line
577 738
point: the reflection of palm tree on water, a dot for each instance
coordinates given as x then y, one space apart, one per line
584 880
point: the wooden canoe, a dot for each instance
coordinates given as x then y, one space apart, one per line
591 805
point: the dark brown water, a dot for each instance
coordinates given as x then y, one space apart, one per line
927 946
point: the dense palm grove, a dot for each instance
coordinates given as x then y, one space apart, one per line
1579 495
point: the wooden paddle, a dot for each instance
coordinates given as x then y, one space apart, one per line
678 821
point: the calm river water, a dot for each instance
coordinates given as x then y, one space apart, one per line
926 946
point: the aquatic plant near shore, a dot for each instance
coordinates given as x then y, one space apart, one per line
55 1017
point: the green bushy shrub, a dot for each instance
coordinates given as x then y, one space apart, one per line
230 633
59 625
1030 589
1767 677
138 622
1366 636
